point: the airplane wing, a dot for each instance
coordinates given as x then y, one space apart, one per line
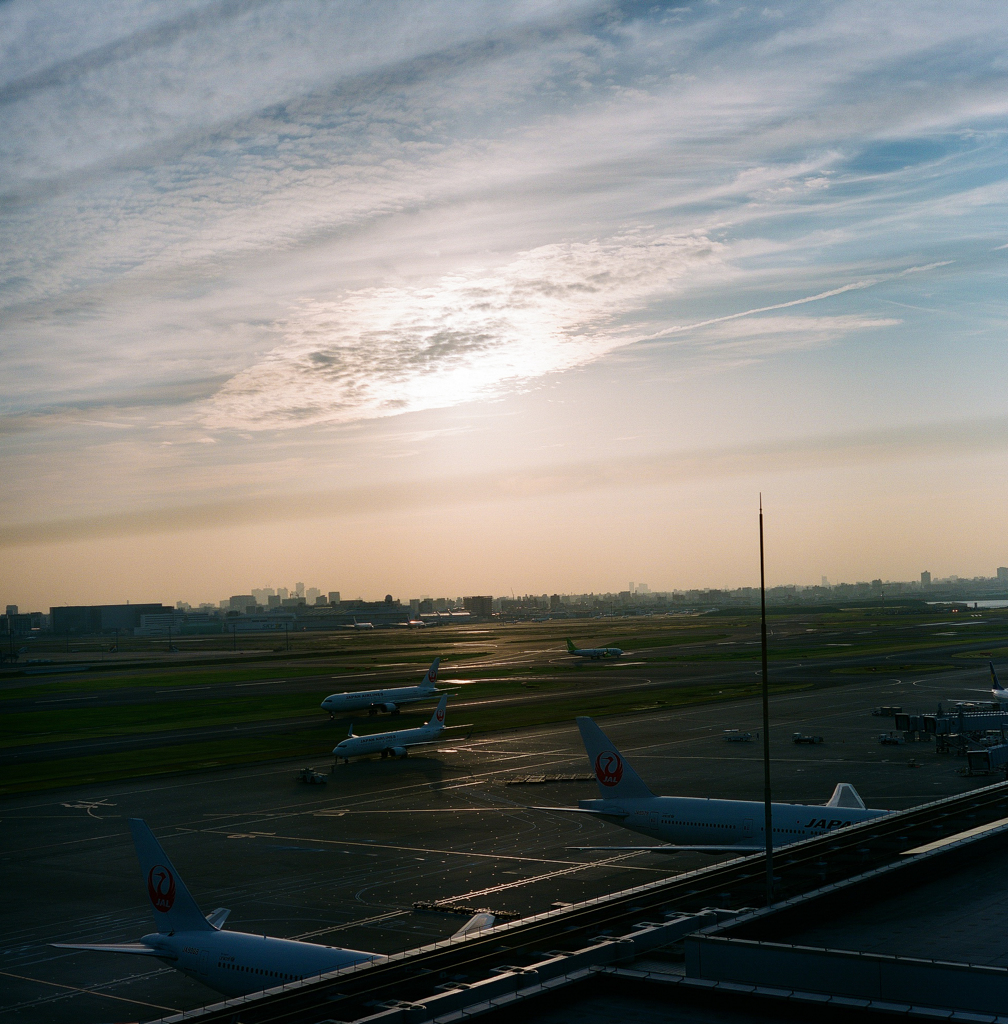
137 948
584 810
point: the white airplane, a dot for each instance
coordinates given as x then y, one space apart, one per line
234 963
393 744
593 652
361 625
698 823
391 700
997 691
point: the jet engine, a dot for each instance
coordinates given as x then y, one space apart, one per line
390 708
398 752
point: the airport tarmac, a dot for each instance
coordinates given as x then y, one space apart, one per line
342 864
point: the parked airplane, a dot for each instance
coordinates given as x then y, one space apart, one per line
697 823
593 652
997 691
234 963
384 700
393 744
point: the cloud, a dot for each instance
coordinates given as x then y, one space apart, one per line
383 351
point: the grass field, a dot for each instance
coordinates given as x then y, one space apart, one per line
508 676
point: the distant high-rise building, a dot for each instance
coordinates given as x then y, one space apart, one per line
273 600
926 578
554 602
481 607
12 609
312 595
299 589
825 583
633 589
1002 574
283 593
334 597
242 602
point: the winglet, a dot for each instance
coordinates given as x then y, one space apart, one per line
845 795
437 719
615 778
174 909
994 679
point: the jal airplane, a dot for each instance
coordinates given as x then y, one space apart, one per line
593 652
393 744
374 701
700 824
234 963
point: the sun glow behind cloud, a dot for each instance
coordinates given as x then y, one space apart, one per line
383 351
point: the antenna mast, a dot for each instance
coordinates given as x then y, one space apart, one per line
767 807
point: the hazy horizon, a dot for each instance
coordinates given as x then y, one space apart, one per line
484 297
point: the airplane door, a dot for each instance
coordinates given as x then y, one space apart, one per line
204 962
653 820
747 828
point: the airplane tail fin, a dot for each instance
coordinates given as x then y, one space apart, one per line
615 778
174 909
571 649
994 679
845 795
430 677
437 719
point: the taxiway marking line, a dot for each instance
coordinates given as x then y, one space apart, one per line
581 866
89 991
352 924
340 843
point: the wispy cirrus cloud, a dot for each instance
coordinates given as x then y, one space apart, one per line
382 351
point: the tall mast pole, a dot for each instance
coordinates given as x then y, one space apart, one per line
767 811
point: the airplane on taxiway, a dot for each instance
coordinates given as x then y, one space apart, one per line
389 700
997 691
234 963
393 744
593 652
697 823
361 625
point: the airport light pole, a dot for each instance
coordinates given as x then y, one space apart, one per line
767 806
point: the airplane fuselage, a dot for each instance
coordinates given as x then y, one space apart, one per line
378 700
695 821
597 653
236 963
386 743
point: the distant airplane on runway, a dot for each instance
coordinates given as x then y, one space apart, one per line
593 652
390 700
697 823
362 625
234 963
393 744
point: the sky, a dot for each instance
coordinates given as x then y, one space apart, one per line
452 298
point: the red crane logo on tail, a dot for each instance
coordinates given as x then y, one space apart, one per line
609 768
439 714
161 888
432 675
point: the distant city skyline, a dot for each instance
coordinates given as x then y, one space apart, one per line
999 576
475 296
